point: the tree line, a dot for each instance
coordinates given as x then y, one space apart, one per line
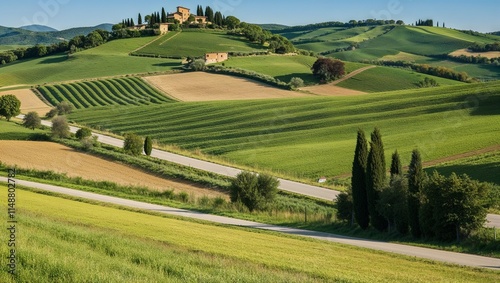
430 206
350 24
80 42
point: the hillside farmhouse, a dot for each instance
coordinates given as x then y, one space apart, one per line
216 57
183 14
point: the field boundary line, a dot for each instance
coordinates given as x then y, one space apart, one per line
170 38
156 39
352 74
41 97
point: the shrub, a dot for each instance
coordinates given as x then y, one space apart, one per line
60 127
296 82
52 113
253 190
133 144
83 133
64 108
345 207
197 65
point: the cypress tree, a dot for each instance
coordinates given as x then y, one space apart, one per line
396 167
209 13
132 22
375 179
148 146
139 19
415 184
358 181
163 15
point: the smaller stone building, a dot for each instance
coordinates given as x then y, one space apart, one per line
216 57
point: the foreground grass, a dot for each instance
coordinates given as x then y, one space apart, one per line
313 137
103 61
115 246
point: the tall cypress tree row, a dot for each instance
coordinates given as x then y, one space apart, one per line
376 179
415 184
396 166
358 181
163 15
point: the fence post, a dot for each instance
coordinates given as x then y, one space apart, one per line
305 213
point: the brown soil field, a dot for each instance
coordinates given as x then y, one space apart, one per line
466 52
201 86
29 101
61 159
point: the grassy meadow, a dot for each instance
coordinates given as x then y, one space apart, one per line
122 91
387 79
14 131
197 43
283 67
110 59
113 247
483 167
313 137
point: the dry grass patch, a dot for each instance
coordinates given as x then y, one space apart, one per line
62 159
200 86
29 101
466 52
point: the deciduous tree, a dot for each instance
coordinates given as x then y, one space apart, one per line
358 181
32 120
327 69
83 133
253 190
10 106
60 127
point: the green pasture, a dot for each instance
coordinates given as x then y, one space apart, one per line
10 47
452 33
387 79
14 131
110 59
122 246
313 34
283 67
484 167
313 137
197 43
122 91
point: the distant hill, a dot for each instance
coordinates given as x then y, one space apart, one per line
496 33
18 36
273 26
38 28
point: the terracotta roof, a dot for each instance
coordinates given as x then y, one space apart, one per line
183 8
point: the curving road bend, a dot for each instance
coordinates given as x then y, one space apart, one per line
436 255
286 185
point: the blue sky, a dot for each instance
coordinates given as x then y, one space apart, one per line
480 15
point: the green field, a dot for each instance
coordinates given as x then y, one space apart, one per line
10 47
121 246
387 79
313 137
123 91
110 59
14 131
283 67
483 167
197 43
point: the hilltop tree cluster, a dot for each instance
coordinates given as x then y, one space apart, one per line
426 23
350 24
433 206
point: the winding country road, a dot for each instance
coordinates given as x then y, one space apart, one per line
286 185
436 255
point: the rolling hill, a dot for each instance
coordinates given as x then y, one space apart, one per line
20 36
313 137
38 28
